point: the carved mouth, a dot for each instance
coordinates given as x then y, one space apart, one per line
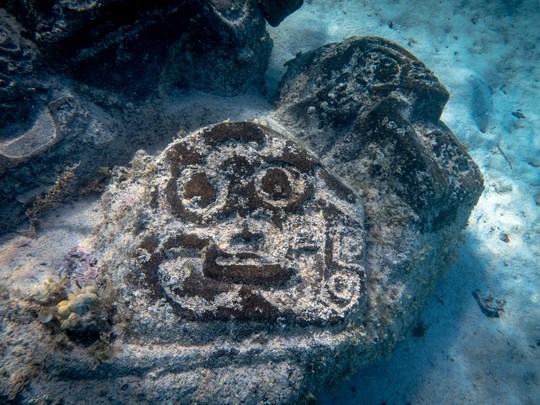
244 268
244 259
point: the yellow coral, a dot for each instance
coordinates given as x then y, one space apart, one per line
78 304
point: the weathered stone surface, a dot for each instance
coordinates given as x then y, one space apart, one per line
236 222
231 267
39 155
275 11
370 110
224 49
19 88
130 48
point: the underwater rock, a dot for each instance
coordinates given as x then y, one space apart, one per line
232 267
132 47
31 160
489 306
481 100
235 222
275 11
370 110
20 90
229 39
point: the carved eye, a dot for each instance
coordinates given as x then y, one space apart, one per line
379 69
280 186
276 184
199 190
344 286
386 70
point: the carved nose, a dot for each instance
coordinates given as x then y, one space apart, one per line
247 237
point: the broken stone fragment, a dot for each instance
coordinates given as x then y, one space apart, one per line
48 129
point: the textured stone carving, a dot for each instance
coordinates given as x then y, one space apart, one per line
251 227
370 110
237 267
229 39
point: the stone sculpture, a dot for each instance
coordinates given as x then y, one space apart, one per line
233 262
382 107
246 225
251 262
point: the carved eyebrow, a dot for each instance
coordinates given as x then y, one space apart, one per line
239 131
296 157
184 153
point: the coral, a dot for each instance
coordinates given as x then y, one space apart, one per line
45 315
78 304
82 317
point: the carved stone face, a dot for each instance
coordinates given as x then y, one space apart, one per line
258 230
